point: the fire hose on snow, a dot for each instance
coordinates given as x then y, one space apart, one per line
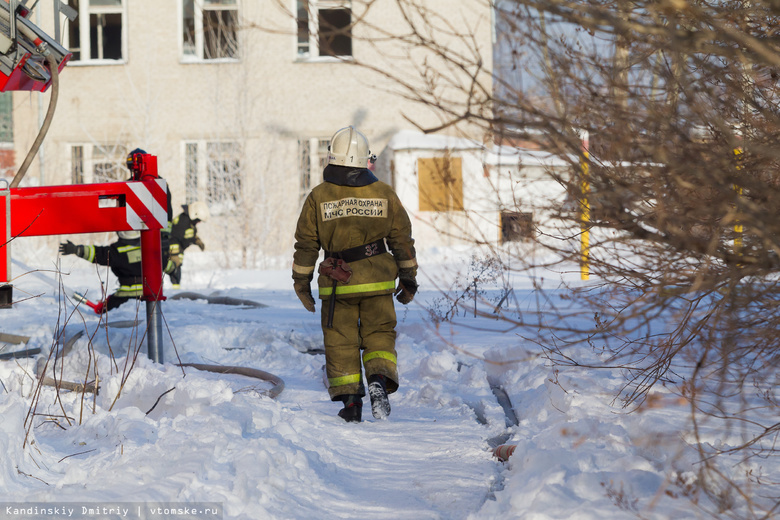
504 451
42 364
243 371
15 339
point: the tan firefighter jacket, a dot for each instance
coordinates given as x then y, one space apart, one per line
352 208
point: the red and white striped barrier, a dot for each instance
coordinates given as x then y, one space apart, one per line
140 204
504 451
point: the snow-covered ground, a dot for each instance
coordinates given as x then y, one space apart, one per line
158 435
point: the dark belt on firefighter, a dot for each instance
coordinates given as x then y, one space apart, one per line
353 254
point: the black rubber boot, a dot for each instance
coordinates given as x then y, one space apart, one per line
353 408
377 390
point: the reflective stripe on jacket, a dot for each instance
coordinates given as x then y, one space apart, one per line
123 256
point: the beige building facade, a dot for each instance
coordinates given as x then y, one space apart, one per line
238 98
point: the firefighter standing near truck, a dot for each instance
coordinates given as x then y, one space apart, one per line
124 255
184 233
124 259
367 237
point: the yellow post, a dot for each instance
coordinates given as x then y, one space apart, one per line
737 224
584 210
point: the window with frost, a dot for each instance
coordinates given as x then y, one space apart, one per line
324 28
99 32
191 172
77 165
109 164
98 163
223 183
209 29
312 158
213 173
6 118
6 135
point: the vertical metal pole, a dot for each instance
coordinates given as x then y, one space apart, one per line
57 11
6 289
152 275
12 19
585 210
738 229
5 233
154 331
151 268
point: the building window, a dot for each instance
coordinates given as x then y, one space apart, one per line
223 182
7 167
77 165
109 164
312 159
516 226
324 28
304 167
98 163
6 118
99 32
209 29
213 174
191 172
440 184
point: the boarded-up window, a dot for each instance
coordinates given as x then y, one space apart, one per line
516 226
441 184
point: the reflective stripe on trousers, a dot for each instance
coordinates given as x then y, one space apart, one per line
360 288
130 291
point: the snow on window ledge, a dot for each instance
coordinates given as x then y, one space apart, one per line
190 60
324 59
100 63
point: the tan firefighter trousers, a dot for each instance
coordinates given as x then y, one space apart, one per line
363 329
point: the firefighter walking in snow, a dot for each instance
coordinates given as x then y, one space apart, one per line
184 233
356 218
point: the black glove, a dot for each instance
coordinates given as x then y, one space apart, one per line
69 248
407 288
303 291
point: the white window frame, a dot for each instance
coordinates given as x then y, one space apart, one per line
201 191
200 46
90 159
314 41
85 49
317 148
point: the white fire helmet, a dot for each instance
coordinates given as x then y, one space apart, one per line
198 210
129 235
348 147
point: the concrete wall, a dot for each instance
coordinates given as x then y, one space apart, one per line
267 100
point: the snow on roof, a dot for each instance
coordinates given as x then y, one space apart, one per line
494 155
510 156
413 140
